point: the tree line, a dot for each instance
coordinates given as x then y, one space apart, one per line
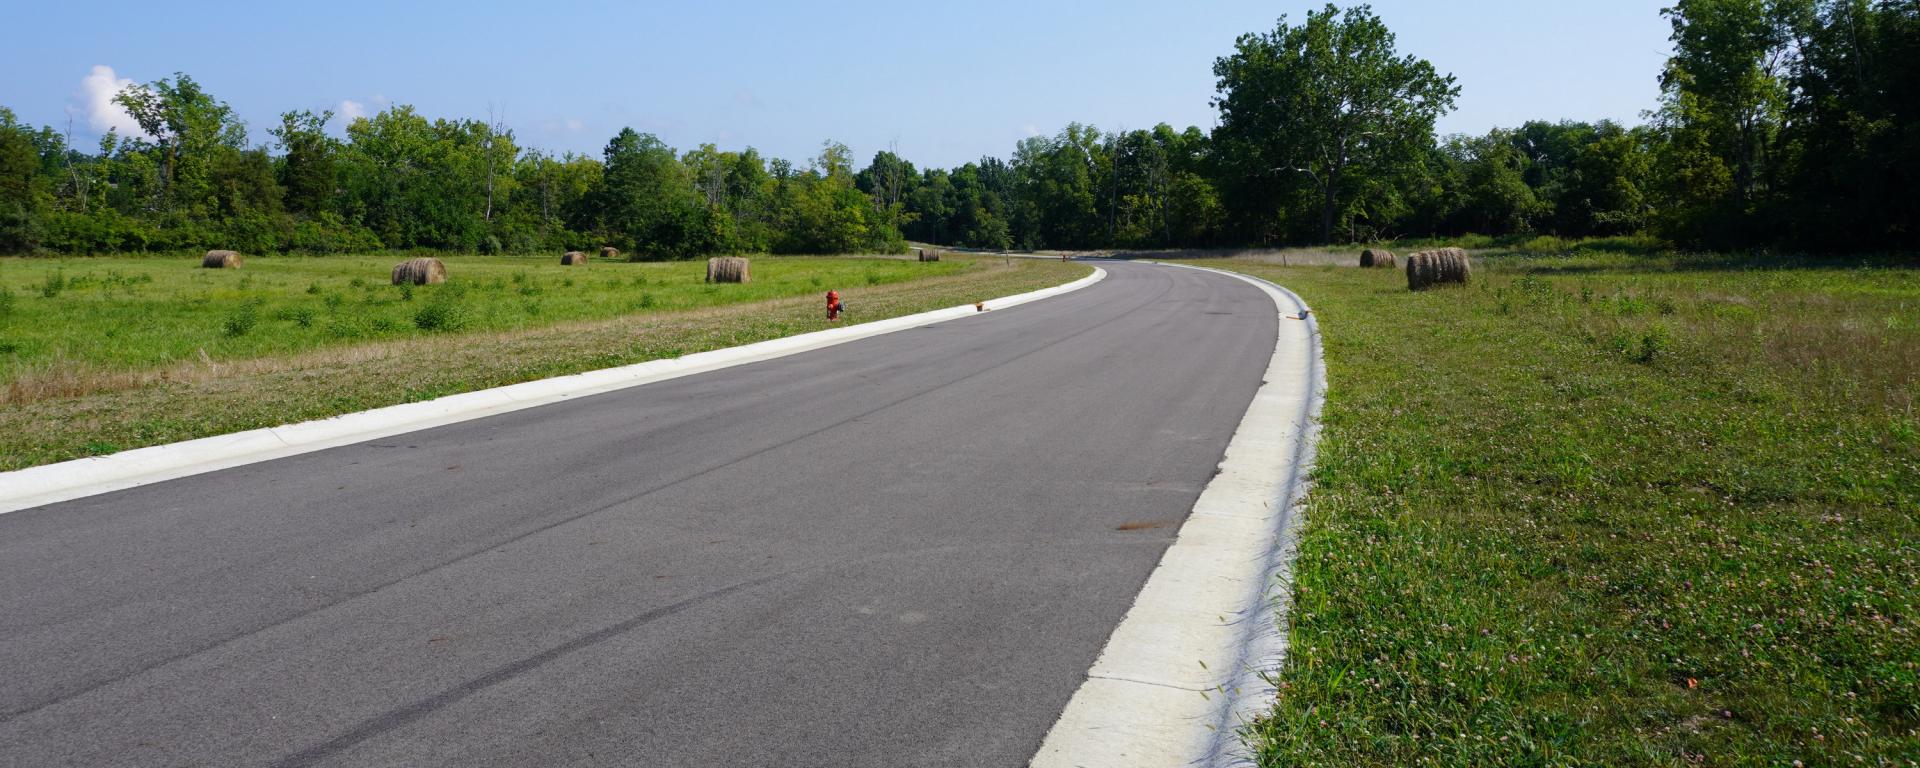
1781 123
399 180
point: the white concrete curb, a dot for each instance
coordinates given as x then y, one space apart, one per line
67 480
1192 663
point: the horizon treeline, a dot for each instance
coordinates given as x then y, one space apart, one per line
1782 123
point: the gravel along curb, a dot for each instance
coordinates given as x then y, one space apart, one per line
1192 662
67 480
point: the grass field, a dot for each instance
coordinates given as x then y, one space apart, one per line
113 358
1607 509
75 326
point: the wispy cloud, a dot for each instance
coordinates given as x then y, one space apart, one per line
97 90
349 110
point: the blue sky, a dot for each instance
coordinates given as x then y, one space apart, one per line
944 82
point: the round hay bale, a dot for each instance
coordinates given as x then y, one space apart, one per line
573 258
1437 267
728 269
422 271
609 252
221 260
928 254
1376 257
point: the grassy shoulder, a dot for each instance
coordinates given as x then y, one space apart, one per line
98 407
1609 509
64 322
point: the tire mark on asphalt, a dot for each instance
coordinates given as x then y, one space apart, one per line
400 717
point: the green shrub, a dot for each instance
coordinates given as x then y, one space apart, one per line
442 315
345 327
241 320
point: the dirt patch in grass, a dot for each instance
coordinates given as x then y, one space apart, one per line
209 396
1609 510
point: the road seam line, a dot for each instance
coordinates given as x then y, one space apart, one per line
1232 560
79 478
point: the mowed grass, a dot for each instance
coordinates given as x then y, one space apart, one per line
198 397
1606 509
68 326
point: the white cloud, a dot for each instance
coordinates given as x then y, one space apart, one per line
97 90
349 110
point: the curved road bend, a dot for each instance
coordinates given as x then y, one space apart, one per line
901 551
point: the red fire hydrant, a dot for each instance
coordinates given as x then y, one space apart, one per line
833 305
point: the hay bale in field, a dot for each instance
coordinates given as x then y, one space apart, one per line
728 269
573 258
609 252
422 271
928 254
1376 257
1437 267
221 260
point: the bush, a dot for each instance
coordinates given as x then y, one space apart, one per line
442 315
327 233
241 320
98 232
301 316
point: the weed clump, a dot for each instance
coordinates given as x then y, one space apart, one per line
240 321
442 315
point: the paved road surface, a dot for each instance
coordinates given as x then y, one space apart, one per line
902 551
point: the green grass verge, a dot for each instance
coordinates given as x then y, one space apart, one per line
1603 509
117 313
106 411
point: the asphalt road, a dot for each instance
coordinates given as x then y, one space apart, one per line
901 551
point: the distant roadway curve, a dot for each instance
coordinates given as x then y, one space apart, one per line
900 551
